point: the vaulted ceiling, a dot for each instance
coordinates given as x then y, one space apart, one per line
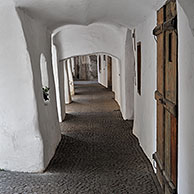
55 13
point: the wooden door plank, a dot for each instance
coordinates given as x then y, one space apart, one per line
160 61
171 97
166 96
160 16
160 133
170 67
160 88
171 10
168 144
174 149
160 55
168 105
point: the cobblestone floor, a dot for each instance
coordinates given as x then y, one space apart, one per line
98 153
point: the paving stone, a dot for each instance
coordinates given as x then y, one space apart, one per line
98 153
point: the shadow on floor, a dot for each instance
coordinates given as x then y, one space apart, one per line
98 154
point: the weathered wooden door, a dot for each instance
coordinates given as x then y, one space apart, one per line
110 72
167 96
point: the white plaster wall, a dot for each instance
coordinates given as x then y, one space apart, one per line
63 12
75 40
43 70
116 79
38 40
68 98
98 68
21 141
61 112
73 65
61 77
145 105
104 72
21 145
69 69
188 7
103 75
186 105
127 78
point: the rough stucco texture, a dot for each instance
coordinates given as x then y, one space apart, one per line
186 106
38 41
83 12
188 7
28 134
21 142
145 105
75 40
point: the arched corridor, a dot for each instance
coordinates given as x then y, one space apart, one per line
138 56
98 153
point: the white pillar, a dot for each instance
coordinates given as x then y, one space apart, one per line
62 90
71 84
59 80
106 72
67 86
73 66
98 72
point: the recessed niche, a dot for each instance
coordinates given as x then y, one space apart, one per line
44 78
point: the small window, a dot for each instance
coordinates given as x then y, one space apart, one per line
104 57
100 65
44 77
139 68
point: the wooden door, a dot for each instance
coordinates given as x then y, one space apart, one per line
110 72
167 96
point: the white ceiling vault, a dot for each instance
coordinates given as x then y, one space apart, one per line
55 13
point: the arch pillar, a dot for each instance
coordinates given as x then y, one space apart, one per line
70 73
68 99
73 66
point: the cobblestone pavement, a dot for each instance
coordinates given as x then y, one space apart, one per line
98 153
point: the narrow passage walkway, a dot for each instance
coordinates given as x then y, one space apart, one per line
98 153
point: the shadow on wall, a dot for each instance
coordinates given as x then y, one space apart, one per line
38 44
